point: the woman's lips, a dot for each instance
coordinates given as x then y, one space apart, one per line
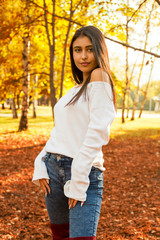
84 64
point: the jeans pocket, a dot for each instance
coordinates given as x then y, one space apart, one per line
96 178
100 179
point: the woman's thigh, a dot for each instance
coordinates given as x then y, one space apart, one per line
84 220
56 201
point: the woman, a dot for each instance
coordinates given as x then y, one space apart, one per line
69 169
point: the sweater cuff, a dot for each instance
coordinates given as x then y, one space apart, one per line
35 179
70 191
40 170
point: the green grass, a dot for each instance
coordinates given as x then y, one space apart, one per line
144 127
41 110
40 125
141 128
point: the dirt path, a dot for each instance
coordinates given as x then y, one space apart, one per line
131 199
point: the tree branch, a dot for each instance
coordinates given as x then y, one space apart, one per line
158 1
32 74
135 48
36 4
136 10
46 23
121 43
68 19
39 73
117 26
77 5
53 25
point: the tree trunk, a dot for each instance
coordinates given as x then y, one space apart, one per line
140 73
10 105
51 48
123 106
23 125
14 110
18 101
65 49
3 107
158 1
146 90
126 83
129 83
34 108
52 88
128 97
34 97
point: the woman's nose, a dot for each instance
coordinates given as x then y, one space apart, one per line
84 55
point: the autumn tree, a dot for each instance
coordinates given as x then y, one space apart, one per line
142 64
146 88
23 125
52 23
10 70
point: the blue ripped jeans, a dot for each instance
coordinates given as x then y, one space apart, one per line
83 221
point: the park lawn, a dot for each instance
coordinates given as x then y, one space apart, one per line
40 110
36 125
141 128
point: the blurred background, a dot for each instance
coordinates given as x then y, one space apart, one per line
35 72
35 66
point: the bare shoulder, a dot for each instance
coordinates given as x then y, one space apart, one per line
99 75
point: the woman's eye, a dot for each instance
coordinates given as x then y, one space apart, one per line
90 49
77 50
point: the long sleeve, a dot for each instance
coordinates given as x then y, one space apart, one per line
40 170
101 114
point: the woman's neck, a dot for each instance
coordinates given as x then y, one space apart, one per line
85 76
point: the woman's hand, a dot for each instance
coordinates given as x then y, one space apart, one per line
72 203
44 184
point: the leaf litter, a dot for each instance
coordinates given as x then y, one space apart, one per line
131 197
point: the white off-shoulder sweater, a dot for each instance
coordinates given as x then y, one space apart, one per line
80 131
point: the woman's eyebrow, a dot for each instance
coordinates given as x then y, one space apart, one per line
85 46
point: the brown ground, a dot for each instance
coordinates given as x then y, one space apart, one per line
131 201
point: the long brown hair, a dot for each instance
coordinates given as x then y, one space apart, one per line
101 56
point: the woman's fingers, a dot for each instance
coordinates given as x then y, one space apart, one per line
47 186
82 204
44 185
72 203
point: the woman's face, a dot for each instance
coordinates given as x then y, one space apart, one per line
83 55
